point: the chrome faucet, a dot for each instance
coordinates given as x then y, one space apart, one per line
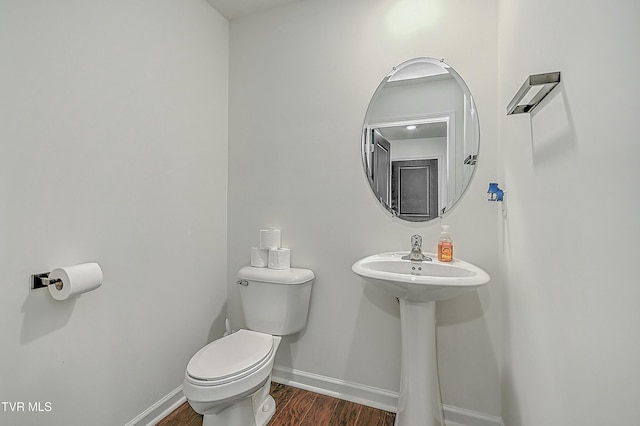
416 250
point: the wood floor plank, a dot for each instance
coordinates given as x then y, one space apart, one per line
295 410
389 419
320 414
372 417
196 421
182 416
345 414
297 407
282 395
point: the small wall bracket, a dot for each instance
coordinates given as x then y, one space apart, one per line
42 280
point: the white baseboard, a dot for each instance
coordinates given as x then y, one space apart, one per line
454 416
372 397
161 409
342 389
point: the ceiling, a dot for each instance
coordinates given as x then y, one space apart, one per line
234 9
422 131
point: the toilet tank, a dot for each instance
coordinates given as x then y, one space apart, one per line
275 301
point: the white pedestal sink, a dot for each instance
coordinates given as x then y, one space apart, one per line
418 285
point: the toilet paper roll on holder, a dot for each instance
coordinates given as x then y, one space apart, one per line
43 280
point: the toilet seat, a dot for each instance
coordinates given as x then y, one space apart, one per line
230 358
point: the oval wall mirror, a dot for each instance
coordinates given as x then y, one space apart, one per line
420 140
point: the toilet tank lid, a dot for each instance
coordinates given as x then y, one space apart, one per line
276 276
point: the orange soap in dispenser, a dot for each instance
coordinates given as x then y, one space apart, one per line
445 245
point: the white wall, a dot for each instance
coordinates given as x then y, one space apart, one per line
113 148
570 242
301 77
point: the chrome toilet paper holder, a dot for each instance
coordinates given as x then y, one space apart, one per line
42 280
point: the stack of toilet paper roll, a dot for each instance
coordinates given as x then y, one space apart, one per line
269 253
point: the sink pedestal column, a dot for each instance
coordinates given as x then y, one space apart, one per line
419 401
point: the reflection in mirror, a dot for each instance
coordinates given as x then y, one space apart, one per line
420 140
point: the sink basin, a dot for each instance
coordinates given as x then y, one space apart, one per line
418 285
426 281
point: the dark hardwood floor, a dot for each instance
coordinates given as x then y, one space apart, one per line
297 407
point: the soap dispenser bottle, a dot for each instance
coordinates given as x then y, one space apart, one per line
445 245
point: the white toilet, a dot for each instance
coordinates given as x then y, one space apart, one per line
228 381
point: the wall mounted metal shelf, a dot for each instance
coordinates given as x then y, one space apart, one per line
535 88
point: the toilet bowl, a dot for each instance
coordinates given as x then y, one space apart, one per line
228 381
